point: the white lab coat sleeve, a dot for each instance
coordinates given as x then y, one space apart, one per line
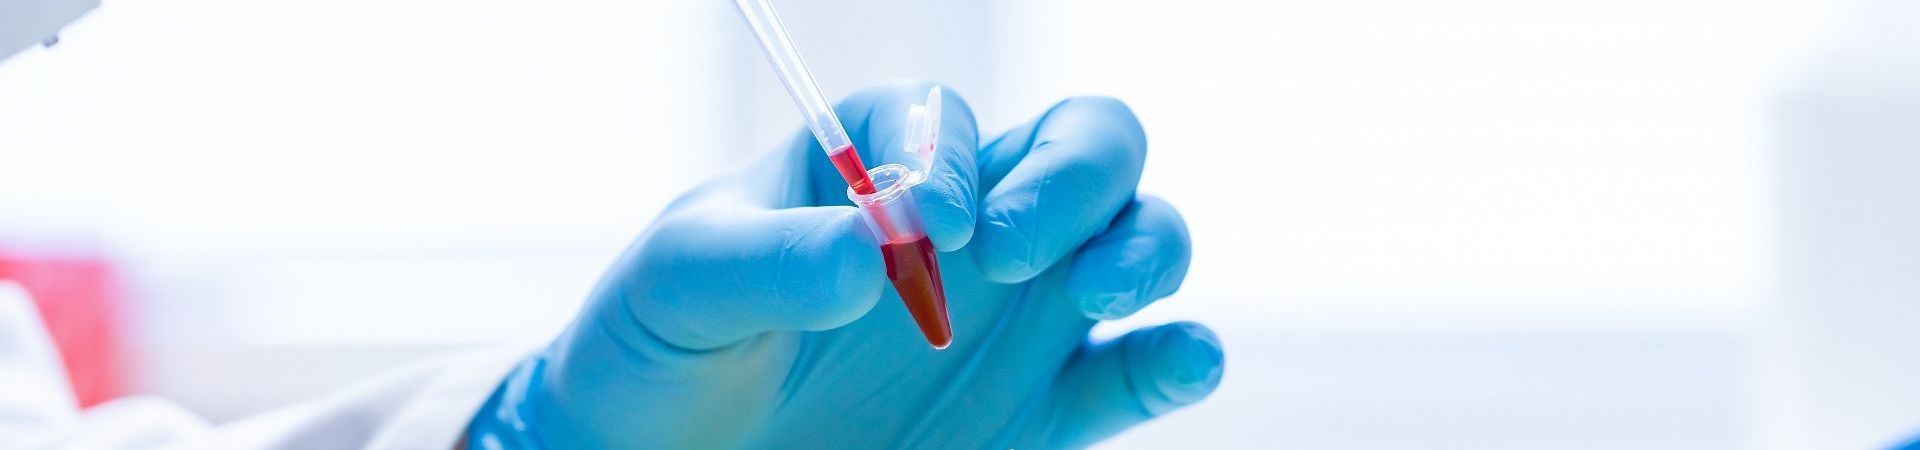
424 407
34 394
37 407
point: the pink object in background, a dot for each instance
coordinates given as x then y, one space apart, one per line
79 300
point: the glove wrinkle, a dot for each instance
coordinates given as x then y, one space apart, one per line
650 350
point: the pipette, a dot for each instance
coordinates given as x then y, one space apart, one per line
882 193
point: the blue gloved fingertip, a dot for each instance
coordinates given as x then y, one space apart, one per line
1188 361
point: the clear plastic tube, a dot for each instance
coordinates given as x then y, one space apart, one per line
881 193
793 73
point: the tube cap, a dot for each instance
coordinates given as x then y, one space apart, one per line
923 135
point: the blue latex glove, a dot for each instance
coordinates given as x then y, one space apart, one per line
755 312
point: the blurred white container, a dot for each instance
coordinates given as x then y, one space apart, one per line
1843 364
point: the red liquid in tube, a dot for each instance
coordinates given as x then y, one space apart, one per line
847 161
911 266
916 276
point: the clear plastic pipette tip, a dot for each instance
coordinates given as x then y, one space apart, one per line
794 75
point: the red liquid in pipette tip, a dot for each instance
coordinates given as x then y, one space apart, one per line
911 266
847 161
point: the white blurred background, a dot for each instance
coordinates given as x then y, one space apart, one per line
1471 224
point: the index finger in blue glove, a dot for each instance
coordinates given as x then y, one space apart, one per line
740 255
1055 183
876 121
727 263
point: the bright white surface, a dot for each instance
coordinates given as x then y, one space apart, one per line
1476 153
214 143
1619 387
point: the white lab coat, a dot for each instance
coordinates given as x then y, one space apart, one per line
424 407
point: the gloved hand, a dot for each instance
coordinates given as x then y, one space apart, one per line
755 312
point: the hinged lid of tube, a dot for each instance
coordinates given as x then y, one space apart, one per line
922 135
